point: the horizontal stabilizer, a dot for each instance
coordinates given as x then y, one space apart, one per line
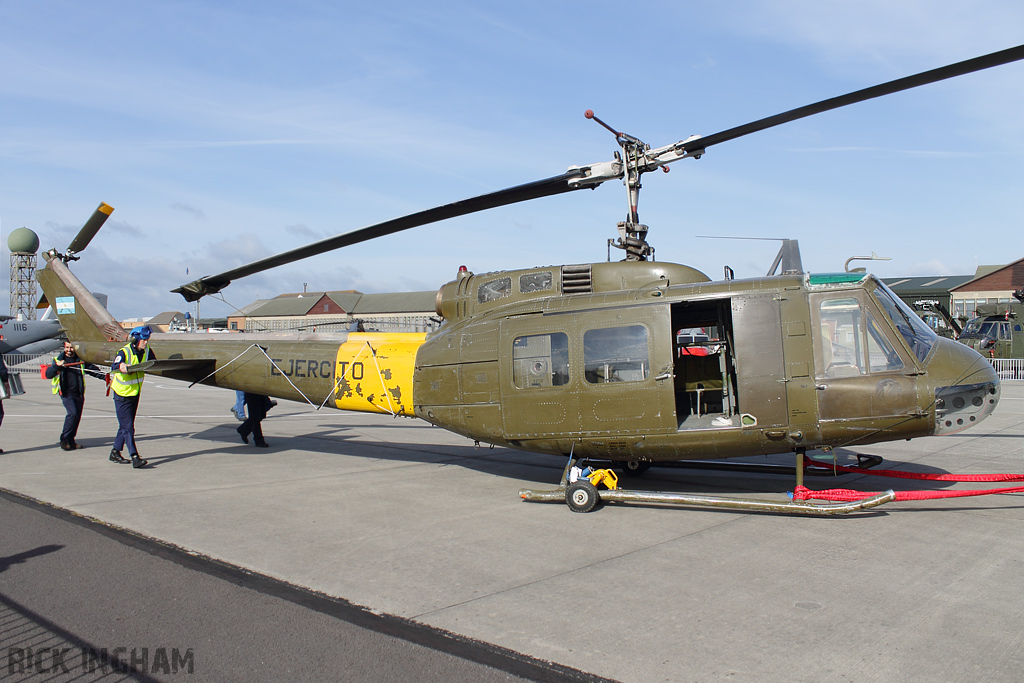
188 369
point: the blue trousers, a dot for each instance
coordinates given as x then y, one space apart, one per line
74 406
126 407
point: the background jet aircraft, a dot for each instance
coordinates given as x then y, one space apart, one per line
15 334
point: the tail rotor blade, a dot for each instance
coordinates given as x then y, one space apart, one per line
91 227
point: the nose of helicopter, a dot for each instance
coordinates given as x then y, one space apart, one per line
966 387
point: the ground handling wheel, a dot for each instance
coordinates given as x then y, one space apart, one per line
634 468
581 496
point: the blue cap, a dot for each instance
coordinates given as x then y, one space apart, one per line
141 332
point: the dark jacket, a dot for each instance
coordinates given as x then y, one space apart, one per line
258 405
72 379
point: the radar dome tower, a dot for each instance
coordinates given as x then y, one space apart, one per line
23 244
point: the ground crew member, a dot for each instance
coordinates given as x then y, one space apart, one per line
126 386
67 372
258 405
3 378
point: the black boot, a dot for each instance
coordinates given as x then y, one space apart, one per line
245 437
137 462
65 446
115 456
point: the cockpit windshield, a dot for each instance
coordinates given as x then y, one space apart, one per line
980 328
919 337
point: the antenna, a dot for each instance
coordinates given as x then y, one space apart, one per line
873 257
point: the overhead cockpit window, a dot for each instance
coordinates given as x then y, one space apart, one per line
535 282
494 289
540 360
616 354
919 337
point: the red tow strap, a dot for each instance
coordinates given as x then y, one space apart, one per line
849 495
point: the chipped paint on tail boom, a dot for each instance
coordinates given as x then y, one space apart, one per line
373 372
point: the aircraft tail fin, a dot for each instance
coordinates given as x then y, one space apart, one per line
81 315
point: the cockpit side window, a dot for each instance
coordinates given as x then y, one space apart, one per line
919 337
840 329
851 341
882 357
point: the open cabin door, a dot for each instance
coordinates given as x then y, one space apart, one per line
729 367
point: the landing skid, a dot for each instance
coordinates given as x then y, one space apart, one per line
818 469
584 497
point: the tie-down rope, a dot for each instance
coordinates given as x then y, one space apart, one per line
334 390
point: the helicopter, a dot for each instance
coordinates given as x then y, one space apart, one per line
996 329
637 362
938 318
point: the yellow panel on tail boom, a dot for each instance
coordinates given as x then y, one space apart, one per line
373 372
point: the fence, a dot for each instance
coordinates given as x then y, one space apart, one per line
1009 368
28 361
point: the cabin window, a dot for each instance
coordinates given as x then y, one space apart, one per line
535 282
540 360
493 290
616 354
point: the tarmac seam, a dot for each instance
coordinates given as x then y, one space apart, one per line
424 635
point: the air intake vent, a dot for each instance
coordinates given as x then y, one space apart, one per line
577 280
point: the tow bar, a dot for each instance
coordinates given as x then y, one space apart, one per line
579 491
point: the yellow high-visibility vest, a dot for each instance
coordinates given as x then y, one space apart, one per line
56 378
128 383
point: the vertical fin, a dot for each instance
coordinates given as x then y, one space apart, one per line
81 315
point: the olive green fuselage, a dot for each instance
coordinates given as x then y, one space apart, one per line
528 371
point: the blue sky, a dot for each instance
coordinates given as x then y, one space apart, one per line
225 132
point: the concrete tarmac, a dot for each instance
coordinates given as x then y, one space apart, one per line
84 602
408 520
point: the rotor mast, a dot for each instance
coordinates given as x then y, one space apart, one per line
639 159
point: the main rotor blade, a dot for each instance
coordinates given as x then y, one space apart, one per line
91 227
559 184
212 284
1012 54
